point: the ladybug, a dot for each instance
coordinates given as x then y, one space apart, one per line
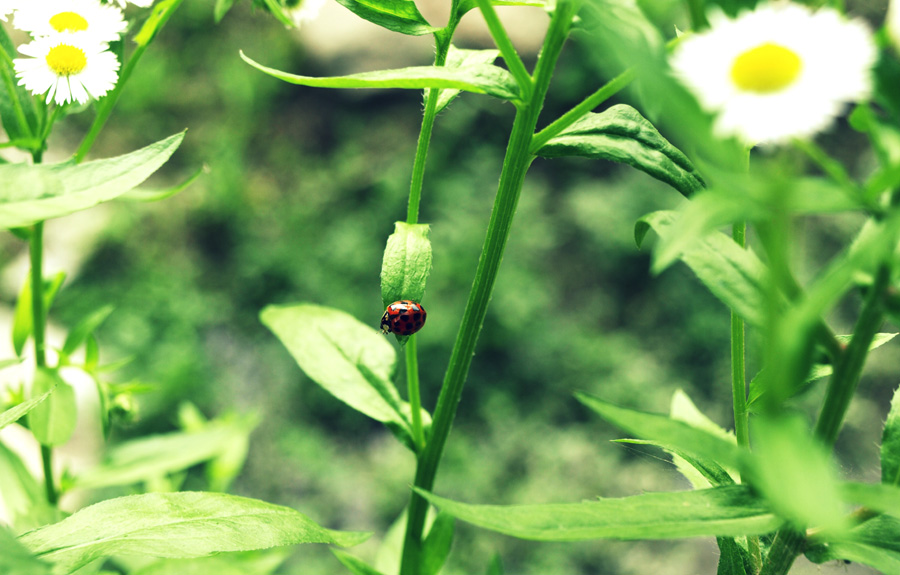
403 317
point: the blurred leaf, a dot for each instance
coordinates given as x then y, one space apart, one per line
669 432
52 422
84 328
406 263
436 546
733 274
23 135
881 497
459 58
22 495
251 563
175 525
155 195
160 13
356 565
467 5
156 455
221 8
621 32
732 510
351 360
223 469
14 413
16 560
30 194
480 79
794 472
621 134
874 543
890 444
23 318
396 15
495 567
733 559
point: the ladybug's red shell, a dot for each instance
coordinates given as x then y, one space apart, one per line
403 317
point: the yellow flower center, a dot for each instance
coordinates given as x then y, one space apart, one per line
66 60
766 68
68 22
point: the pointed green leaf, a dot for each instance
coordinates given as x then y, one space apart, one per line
733 274
84 328
794 472
159 15
667 431
13 414
356 565
16 560
890 444
52 422
436 546
733 559
30 194
175 525
406 263
396 15
352 361
158 455
221 8
459 58
874 543
155 195
730 511
480 79
621 134
881 497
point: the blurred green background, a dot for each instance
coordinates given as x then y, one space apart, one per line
302 191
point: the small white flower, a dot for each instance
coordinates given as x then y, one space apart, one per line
42 18
67 68
303 11
140 3
779 72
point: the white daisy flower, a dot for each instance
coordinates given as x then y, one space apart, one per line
303 11
779 72
67 68
42 18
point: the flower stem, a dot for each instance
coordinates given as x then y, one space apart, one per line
515 165
415 401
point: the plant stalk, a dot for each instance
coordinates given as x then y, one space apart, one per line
515 165
415 401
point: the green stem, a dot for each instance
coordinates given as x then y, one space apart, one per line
848 369
507 50
604 93
415 401
738 352
785 548
515 165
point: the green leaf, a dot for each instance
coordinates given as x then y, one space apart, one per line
52 422
723 511
155 195
175 525
733 559
467 5
247 563
16 560
458 58
436 546
881 497
351 360
621 134
23 323
221 8
9 119
158 455
669 432
406 263
84 328
495 567
23 497
874 543
396 15
890 444
356 565
30 194
480 79
159 15
733 274
794 472
13 414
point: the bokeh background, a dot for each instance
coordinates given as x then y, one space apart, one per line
302 190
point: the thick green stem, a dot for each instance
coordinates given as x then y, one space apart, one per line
848 369
515 165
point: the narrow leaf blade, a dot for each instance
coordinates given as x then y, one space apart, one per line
396 15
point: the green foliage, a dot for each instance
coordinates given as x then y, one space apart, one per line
23 324
730 510
13 414
174 525
53 421
890 444
406 263
30 194
462 59
16 560
396 15
477 78
621 134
